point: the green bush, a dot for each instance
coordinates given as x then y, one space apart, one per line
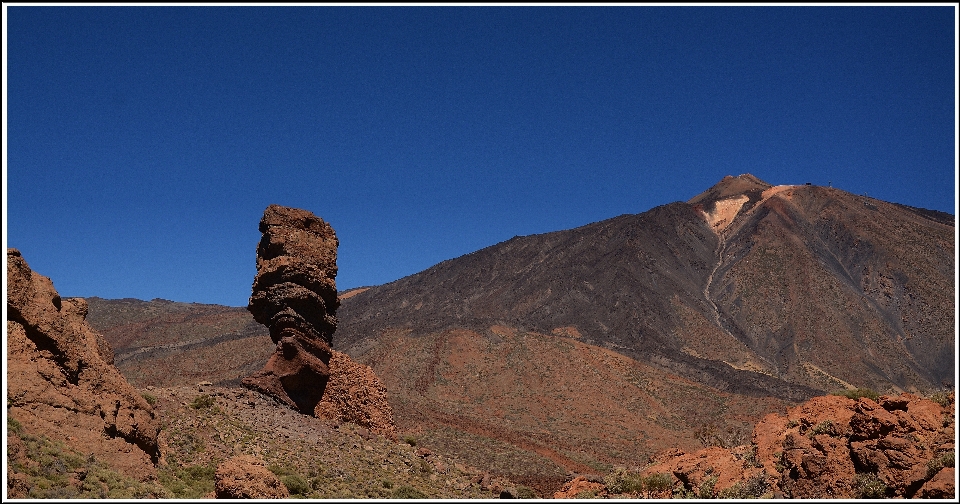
753 488
525 492
407 492
410 440
858 393
943 398
188 482
869 486
824 427
202 401
658 482
150 398
945 459
705 491
296 484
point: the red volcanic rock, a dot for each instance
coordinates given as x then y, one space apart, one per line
246 477
829 446
355 394
295 296
581 487
61 380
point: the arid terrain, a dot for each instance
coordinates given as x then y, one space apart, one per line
665 354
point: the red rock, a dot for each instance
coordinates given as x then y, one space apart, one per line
246 477
62 382
941 486
354 393
580 486
295 296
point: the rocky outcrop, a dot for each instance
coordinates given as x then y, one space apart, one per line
62 382
355 394
295 296
831 447
246 477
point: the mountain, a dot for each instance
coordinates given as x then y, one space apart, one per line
580 350
706 312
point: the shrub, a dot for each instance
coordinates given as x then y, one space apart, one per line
657 482
858 393
296 484
525 492
202 401
943 398
945 459
824 427
869 486
410 440
753 488
150 398
408 492
705 491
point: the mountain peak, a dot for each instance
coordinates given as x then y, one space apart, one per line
731 186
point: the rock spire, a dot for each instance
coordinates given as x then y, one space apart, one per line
295 296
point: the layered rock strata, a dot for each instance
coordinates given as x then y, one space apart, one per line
295 296
61 381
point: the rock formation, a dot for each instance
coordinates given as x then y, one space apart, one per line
295 296
355 394
831 447
246 477
62 382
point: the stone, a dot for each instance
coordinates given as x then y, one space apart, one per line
295 295
354 393
247 477
62 382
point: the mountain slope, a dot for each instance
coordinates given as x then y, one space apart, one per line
749 295
797 274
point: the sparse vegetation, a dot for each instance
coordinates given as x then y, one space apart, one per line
869 486
202 401
856 394
944 398
753 488
410 440
150 398
188 482
48 469
824 427
407 492
945 459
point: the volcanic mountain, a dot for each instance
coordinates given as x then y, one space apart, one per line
581 349
746 293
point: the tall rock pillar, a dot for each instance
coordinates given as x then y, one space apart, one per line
295 296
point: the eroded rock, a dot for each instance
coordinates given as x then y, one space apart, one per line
295 296
62 382
247 477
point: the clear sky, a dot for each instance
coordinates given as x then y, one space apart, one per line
143 143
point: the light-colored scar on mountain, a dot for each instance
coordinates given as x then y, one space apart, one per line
811 369
725 210
350 293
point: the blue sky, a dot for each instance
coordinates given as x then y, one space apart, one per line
143 143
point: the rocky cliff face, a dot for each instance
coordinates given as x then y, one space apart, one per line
62 382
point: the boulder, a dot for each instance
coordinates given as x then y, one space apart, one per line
355 394
247 477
